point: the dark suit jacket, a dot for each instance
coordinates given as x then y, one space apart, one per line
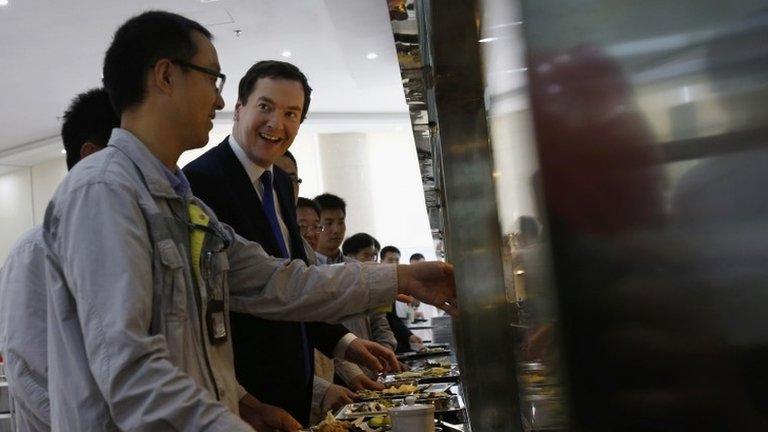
269 356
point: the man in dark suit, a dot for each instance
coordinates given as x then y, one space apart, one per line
238 180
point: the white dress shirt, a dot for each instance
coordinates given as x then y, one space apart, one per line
254 174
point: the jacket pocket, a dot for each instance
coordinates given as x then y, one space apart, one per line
174 288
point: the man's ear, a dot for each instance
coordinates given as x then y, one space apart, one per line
88 148
161 76
238 107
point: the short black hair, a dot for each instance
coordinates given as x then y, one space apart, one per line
90 117
388 249
416 256
328 201
358 242
273 69
138 44
306 202
289 155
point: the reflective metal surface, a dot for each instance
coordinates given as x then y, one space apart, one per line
651 132
464 173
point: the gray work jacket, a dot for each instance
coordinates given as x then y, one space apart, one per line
23 331
129 347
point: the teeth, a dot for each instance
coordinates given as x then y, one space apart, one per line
269 137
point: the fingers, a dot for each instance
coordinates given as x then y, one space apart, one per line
389 357
350 394
449 307
372 385
365 354
403 298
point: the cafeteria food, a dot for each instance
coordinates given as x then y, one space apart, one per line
378 406
393 390
400 390
330 424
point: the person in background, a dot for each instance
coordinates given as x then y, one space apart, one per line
85 130
240 180
364 248
333 215
361 247
406 340
287 163
131 344
308 219
417 257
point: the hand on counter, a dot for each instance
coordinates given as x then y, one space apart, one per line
265 417
415 342
336 397
362 382
372 355
430 282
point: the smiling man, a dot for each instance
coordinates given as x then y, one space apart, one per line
241 181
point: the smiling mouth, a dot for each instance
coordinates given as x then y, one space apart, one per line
271 138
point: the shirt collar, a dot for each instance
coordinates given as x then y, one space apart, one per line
157 176
178 181
324 259
254 171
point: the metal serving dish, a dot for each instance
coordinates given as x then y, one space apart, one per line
443 403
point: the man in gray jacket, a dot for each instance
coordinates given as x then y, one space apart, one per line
87 124
142 275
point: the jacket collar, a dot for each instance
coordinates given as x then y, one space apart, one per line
154 172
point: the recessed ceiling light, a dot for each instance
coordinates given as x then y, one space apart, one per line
62 150
3 2
371 55
286 53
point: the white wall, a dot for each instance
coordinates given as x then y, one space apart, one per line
45 179
16 213
377 174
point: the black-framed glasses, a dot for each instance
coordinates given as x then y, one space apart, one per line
317 229
220 77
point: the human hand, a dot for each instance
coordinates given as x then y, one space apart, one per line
430 282
336 397
372 355
265 417
362 382
416 343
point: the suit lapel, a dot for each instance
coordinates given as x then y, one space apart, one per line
246 200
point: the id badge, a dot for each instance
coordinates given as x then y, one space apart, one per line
217 324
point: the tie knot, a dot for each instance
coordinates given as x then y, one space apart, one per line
266 178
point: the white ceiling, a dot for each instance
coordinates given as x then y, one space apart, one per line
50 50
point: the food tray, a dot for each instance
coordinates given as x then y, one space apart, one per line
377 395
452 375
348 412
430 352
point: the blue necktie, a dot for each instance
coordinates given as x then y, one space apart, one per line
268 202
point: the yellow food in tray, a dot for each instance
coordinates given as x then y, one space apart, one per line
330 424
400 390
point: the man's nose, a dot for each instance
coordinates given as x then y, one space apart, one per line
219 103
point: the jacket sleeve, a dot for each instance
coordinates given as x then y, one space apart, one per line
324 337
97 233
278 289
380 330
401 331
